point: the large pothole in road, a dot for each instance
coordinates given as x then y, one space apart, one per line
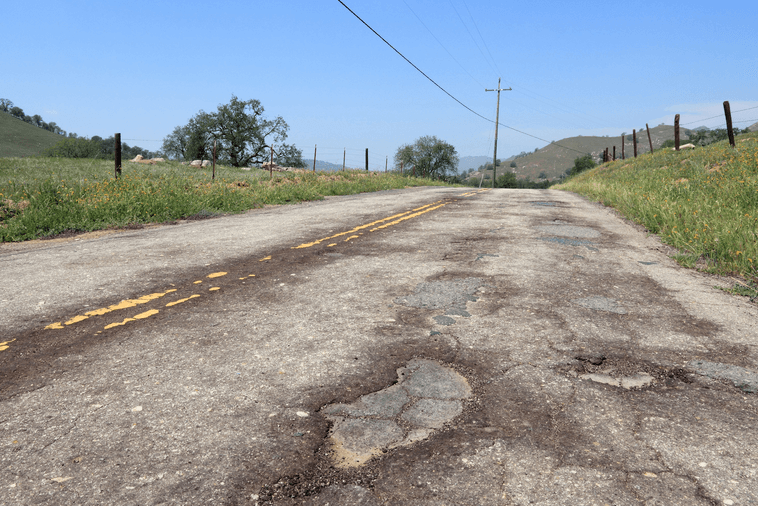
425 398
450 296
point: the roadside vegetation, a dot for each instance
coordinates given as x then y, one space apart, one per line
44 197
702 201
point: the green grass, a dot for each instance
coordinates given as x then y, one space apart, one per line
702 201
42 197
18 138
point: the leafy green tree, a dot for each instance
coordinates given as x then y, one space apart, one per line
581 164
5 105
287 155
506 180
513 165
74 148
17 112
242 133
428 157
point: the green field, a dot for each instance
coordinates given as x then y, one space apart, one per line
702 201
43 197
18 138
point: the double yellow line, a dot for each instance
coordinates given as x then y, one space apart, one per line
348 235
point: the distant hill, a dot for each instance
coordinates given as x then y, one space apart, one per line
753 127
554 159
322 165
18 138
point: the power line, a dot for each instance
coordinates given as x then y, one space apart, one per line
440 43
445 91
472 37
480 36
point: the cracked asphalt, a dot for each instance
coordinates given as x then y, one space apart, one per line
456 347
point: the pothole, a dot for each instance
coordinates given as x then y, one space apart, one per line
426 397
744 379
624 372
570 242
600 303
565 230
452 296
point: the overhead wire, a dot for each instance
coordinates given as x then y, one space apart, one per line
480 36
448 93
442 45
472 37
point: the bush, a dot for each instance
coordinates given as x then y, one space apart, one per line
74 148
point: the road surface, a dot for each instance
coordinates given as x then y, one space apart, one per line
439 346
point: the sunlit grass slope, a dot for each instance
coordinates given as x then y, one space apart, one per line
702 201
42 197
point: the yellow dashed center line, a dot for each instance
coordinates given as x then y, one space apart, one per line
124 304
4 346
140 316
181 300
129 303
356 229
406 217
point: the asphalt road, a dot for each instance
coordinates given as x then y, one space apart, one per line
432 346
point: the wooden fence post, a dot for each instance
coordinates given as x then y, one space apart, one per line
271 163
622 148
614 153
118 154
315 147
676 132
634 141
344 150
213 177
366 159
649 139
728 114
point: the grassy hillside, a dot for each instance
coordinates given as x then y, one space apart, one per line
702 201
18 138
554 160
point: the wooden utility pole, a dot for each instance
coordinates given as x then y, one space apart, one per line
649 139
271 163
676 132
118 154
728 114
497 122
315 147
344 150
386 161
634 141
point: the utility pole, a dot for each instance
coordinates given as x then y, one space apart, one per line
497 122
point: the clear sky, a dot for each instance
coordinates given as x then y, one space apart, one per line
142 68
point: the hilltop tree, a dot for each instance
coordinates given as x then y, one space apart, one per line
428 157
5 105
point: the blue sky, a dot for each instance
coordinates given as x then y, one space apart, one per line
576 68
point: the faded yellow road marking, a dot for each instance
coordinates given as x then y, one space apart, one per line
140 316
124 304
181 300
4 346
214 288
407 217
265 258
197 282
356 229
217 275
